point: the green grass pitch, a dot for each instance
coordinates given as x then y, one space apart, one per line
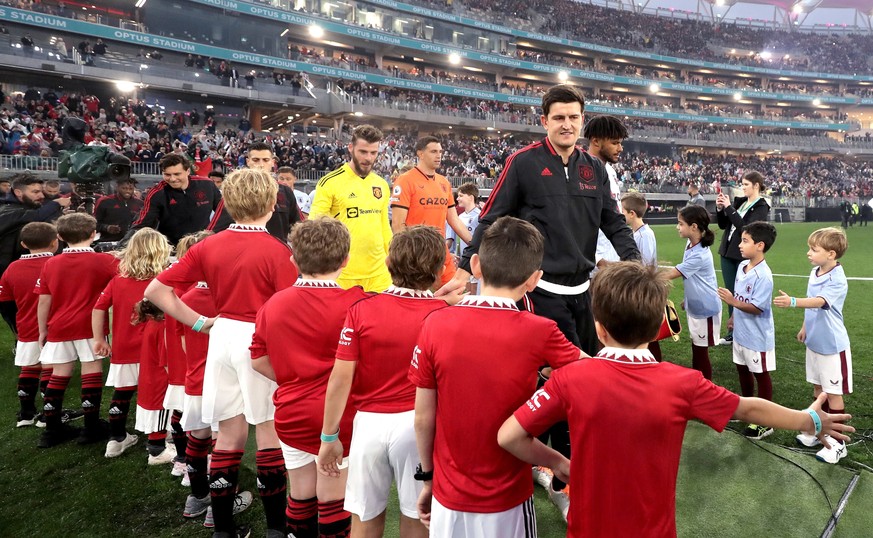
728 486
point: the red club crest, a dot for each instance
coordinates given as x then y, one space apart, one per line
586 172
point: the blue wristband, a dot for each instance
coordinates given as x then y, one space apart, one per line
329 438
794 302
816 420
198 325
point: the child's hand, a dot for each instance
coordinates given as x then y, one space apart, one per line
102 348
801 336
783 300
42 338
562 470
208 325
831 425
725 295
330 456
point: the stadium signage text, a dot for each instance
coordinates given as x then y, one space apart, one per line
138 38
352 30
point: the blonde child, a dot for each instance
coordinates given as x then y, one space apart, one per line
145 255
702 304
828 356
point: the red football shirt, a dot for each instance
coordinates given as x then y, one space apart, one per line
176 360
298 328
74 279
152 368
380 333
243 266
199 298
17 285
627 416
122 294
480 380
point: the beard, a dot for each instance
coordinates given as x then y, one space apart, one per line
30 203
359 168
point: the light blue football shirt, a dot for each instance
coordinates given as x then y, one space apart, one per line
755 287
825 330
701 289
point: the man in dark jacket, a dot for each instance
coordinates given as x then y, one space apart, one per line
178 205
25 203
565 193
285 214
115 213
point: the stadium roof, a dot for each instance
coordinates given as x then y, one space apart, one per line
816 15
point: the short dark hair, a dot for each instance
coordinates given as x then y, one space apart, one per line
636 202
76 227
469 188
511 251
423 142
605 127
761 232
755 178
367 133
216 173
416 257
628 300
321 245
173 159
259 146
287 170
562 93
37 235
52 183
25 179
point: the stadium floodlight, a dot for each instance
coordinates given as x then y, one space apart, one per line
766 55
454 58
358 113
563 76
816 102
139 4
738 96
797 9
719 3
284 32
316 31
125 86
654 87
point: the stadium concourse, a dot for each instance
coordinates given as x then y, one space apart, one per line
707 96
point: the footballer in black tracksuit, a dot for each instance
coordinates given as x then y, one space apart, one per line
114 210
178 212
285 215
567 205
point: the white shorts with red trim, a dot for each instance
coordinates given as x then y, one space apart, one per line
148 421
382 451
192 415
27 353
517 522
704 331
231 387
174 399
756 361
69 351
833 373
123 375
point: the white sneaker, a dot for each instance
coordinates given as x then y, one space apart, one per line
117 448
186 481
166 456
179 468
808 440
542 476
726 342
835 453
561 499
242 501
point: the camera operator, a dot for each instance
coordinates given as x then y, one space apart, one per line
178 205
25 203
115 213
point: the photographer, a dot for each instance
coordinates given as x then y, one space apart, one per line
117 212
25 203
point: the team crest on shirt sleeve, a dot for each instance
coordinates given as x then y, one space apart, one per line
377 192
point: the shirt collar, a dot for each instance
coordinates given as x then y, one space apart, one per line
39 255
488 301
202 286
76 250
246 228
397 291
627 356
312 283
